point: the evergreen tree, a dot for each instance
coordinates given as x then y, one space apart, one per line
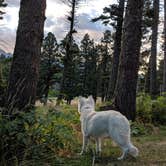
113 15
105 63
23 77
70 81
67 59
89 59
50 66
125 93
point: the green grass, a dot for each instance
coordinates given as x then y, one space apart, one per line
152 152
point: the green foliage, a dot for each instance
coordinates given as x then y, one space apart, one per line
88 67
149 110
38 134
159 110
50 66
109 16
139 129
5 63
144 108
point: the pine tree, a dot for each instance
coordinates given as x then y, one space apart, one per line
113 15
125 92
23 77
105 63
69 81
51 64
67 59
117 49
89 58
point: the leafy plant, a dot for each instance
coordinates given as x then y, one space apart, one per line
144 108
159 110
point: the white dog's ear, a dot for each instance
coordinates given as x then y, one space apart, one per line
90 98
79 103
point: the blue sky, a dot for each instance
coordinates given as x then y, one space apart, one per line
56 22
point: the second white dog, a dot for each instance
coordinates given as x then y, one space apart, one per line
104 124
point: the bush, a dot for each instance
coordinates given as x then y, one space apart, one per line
137 129
144 108
37 135
151 111
159 110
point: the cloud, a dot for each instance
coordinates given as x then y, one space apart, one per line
13 3
7 39
56 20
50 21
84 22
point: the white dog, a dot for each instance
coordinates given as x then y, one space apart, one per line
104 124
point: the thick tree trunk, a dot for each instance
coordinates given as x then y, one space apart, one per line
164 73
25 66
153 62
125 92
116 54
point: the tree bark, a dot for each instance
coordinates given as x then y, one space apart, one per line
116 54
125 92
153 62
25 65
147 78
164 73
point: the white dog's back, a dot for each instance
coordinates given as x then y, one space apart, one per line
107 122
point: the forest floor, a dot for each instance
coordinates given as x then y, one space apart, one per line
63 125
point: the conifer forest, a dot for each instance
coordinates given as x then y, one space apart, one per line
54 51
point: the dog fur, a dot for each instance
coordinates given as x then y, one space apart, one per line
105 124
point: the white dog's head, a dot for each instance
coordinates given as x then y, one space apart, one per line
86 104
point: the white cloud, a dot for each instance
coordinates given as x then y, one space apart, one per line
56 20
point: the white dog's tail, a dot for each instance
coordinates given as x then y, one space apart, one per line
133 150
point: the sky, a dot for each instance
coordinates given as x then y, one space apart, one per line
56 12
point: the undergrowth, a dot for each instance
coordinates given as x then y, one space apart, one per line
52 135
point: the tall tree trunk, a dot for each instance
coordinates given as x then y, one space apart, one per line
147 78
116 54
25 66
125 92
153 62
164 73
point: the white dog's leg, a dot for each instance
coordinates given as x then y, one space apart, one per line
85 142
98 145
125 151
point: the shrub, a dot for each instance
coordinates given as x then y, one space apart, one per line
144 108
138 129
37 135
159 110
